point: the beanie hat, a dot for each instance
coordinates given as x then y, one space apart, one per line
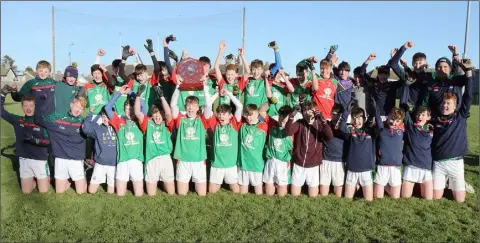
443 59
71 72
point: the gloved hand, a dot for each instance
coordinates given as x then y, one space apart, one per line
126 52
140 90
170 38
149 46
158 91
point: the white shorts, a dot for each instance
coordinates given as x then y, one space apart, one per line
197 171
130 170
362 178
102 174
68 168
451 170
249 177
391 175
159 168
332 172
300 175
276 171
30 168
416 175
218 175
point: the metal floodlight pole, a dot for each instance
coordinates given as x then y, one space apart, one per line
466 31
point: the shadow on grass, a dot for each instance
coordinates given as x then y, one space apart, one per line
471 159
13 159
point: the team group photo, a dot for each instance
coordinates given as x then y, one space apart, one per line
126 131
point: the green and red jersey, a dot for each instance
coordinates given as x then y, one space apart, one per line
254 91
227 86
300 89
190 144
97 96
279 92
225 143
252 143
158 139
279 146
129 139
148 95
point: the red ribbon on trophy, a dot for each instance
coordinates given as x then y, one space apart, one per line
191 71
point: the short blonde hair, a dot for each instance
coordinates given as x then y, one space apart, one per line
44 64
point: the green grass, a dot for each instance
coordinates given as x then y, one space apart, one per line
226 217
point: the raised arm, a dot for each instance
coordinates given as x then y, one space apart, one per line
245 63
395 60
314 80
111 103
288 84
291 127
174 100
262 111
238 105
456 70
121 69
268 89
156 66
363 69
467 95
7 116
208 112
218 73
100 54
88 123
166 56
138 110
278 59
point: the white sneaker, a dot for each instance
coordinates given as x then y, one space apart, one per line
469 188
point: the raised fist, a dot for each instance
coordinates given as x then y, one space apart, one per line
222 45
409 44
100 52
372 56
453 49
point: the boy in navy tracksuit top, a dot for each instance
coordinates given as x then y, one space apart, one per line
389 153
360 160
68 145
105 150
441 82
449 143
413 89
417 153
30 145
384 92
332 168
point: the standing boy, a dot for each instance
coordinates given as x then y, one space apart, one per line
308 134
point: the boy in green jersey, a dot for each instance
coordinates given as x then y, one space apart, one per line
253 134
158 145
225 144
141 75
230 80
255 86
278 152
190 145
129 146
96 92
